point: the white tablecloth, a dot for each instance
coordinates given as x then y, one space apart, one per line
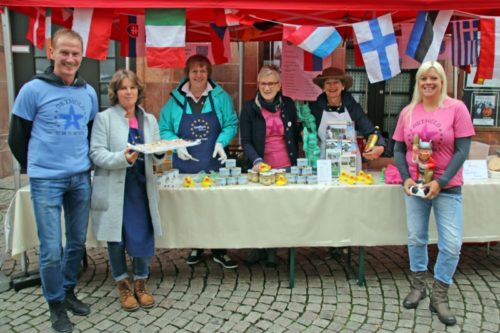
289 216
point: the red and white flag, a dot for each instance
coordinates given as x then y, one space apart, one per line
36 29
489 51
227 17
221 46
94 25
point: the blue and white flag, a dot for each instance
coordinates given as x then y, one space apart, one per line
379 48
427 35
465 42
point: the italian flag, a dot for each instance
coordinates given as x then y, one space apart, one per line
166 38
48 32
489 54
94 25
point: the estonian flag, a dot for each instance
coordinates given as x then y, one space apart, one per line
427 35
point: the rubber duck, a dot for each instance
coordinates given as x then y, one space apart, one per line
281 180
264 167
207 181
188 182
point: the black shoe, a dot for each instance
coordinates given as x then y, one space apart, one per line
59 318
255 256
194 257
272 258
73 304
225 261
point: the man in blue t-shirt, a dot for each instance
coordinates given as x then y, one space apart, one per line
49 131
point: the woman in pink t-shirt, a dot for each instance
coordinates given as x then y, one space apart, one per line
270 134
445 122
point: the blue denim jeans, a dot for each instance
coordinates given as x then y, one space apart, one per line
449 221
59 268
118 262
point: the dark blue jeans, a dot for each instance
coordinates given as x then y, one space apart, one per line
59 268
118 262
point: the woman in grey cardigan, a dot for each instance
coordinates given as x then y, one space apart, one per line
124 206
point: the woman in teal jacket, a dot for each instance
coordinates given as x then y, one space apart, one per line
200 109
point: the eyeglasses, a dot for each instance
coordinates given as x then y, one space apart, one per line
268 84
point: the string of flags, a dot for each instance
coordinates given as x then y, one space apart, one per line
160 36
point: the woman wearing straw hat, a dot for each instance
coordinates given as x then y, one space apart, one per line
337 104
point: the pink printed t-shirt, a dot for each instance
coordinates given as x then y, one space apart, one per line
451 120
275 151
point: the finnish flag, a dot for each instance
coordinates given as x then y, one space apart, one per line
379 48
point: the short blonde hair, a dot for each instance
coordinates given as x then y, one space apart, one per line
426 66
65 32
116 83
269 70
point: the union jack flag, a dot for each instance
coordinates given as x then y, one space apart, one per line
465 42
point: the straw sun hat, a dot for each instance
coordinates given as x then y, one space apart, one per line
333 73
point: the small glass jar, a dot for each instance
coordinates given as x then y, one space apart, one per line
292 179
253 176
279 172
231 181
267 178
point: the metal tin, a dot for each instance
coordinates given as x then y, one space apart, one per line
292 179
301 179
307 171
267 178
312 179
295 170
242 180
220 181
230 163
231 181
223 172
301 162
236 171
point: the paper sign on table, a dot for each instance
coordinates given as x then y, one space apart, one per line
324 170
475 170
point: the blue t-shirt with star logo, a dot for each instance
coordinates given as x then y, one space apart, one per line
58 146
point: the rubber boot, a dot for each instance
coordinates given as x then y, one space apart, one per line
439 303
418 290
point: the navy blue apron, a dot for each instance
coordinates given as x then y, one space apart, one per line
137 232
203 126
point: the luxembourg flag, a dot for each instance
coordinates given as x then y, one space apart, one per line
489 53
94 25
320 41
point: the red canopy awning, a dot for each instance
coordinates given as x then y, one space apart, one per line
340 14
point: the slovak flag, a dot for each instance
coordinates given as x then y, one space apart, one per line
320 41
379 48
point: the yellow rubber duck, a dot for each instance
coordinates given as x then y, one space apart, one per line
264 167
188 182
207 181
351 180
281 180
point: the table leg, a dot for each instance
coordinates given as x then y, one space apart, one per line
361 266
291 263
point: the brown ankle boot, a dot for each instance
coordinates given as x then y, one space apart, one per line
417 291
439 303
145 299
127 299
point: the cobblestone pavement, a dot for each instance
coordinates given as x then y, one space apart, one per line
326 298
